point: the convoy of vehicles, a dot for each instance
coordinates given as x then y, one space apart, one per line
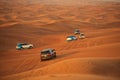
78 35
50 53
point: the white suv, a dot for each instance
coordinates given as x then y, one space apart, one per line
24 46
81 36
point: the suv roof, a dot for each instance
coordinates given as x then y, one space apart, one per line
47 49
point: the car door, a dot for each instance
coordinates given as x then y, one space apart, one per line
24 45
52 53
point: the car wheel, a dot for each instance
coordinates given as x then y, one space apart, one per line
21 48
30 47
42 60
55 55
18 49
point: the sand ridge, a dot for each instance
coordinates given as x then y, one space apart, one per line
46 26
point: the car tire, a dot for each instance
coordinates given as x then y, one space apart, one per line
21 48
54 55
30 47
18 49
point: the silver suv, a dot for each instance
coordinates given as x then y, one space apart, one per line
77 31
20 46
48 54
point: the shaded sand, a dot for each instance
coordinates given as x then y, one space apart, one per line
99 68
70 77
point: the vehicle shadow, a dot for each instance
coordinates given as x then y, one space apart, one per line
61 55
66 54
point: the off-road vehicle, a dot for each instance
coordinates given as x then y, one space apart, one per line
48 54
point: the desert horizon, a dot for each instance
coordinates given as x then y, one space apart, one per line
47 24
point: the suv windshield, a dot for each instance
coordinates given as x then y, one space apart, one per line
45 52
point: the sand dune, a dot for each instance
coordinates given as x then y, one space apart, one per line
71 77
46 26
82 66
99 68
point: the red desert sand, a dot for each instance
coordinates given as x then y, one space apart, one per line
46 24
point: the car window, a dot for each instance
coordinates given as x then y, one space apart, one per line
18 44
24 44
70 36
53 50
45 52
